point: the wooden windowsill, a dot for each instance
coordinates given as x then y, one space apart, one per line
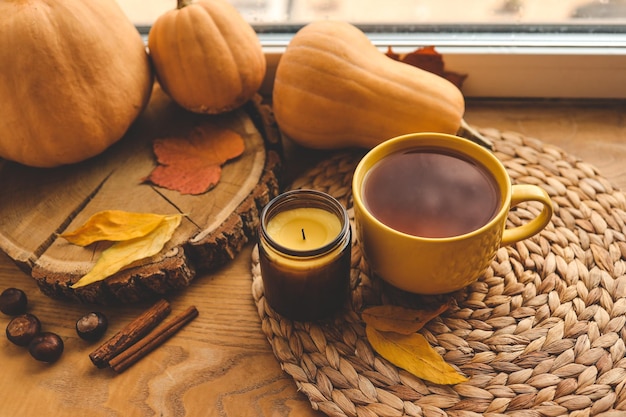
594 131
222 364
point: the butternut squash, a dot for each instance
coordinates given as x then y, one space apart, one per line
74 75
334 89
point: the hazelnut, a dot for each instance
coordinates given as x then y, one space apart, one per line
13 302
46 347
92 326
23 328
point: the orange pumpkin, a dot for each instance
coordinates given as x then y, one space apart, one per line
74 76
207 58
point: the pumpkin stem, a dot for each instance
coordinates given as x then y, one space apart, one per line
183 3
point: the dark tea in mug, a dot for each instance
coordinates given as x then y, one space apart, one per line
431 192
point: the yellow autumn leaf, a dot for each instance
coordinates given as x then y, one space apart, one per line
113 225
392 318
124 253
414 354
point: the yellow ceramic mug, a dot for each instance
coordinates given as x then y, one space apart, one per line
441 203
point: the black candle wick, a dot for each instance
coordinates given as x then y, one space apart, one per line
303 235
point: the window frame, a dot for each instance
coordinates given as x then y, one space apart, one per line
531 61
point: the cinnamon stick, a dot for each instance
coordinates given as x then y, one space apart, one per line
130 334
154 339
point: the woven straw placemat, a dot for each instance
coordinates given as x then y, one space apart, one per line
540 334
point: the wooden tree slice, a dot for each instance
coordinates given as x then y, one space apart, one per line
38 204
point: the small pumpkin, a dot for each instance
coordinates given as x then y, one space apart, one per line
74 76
206 56
334 89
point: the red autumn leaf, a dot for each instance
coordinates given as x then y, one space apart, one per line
193 164
428 59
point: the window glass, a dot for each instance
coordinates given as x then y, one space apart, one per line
610 14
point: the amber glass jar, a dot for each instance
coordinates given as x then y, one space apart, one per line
304 249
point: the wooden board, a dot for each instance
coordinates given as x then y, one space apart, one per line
38 204
221 364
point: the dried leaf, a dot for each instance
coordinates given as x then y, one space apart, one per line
414 354
113 225
193 164
123 253
428 59
393 318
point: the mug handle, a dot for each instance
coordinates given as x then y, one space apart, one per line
519 194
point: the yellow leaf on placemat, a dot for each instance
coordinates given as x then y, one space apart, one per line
414 354
393 318
124 253
115 226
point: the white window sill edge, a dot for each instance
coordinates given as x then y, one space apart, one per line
587 66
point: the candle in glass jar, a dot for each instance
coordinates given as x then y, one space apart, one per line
304 254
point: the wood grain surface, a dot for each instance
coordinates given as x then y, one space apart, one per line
216 223
220 364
